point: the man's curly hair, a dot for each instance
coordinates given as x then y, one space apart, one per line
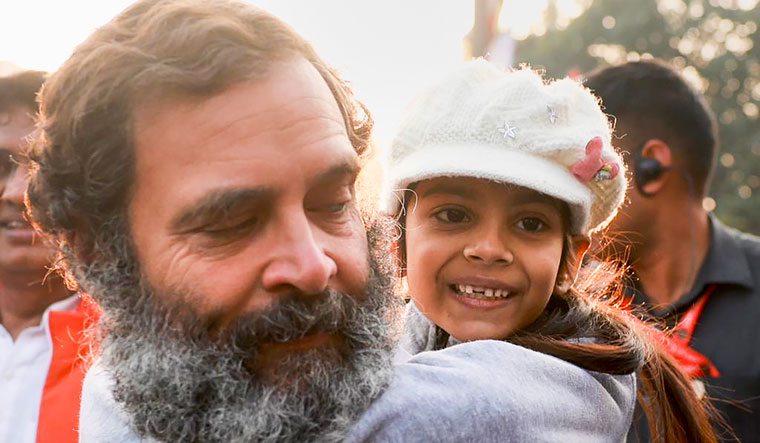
82 163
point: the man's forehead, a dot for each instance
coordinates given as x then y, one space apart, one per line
292 95
290 81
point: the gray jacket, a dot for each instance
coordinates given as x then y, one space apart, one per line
483 391
494 391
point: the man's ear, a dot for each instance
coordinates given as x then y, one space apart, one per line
659 151
568 272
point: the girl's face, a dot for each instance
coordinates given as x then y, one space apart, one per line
482 258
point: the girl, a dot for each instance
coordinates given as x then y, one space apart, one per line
498 181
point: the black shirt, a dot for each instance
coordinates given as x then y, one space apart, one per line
728 331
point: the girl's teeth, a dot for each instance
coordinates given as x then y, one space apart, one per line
481 292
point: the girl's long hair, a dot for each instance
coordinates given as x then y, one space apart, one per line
615 341
618 341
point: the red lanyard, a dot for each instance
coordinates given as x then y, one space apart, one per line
676 341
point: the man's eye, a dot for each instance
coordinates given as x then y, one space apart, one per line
531 224
451 216
337 208
334 207
227 230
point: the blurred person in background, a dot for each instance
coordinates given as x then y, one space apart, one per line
40 320
698 276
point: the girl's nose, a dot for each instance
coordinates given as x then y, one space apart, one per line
489 248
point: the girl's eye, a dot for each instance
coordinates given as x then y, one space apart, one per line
451 216
531 224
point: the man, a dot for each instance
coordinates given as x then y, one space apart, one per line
40 320
196 167
698 275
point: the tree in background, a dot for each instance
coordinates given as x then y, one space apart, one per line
714 43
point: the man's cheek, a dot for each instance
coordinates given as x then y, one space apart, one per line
228 287
353 266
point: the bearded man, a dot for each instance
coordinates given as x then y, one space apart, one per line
197 168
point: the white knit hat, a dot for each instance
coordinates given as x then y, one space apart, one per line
511 127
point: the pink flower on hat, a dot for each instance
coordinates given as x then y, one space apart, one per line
593 166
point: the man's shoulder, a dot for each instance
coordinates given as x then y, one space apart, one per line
749 243
496 391
733 259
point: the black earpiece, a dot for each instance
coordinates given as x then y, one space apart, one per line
645 170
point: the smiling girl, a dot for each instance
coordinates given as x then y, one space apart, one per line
498 180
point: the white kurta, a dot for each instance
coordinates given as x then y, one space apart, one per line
24 367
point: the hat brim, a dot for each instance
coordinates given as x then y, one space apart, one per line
489 163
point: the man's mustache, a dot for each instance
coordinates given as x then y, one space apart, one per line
294 317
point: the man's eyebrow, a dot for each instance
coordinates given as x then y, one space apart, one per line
348 168
218 203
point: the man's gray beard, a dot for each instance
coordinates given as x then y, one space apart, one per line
179 383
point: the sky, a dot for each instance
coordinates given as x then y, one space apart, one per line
387 49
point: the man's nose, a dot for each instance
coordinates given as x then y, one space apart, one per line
298 259
488 246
